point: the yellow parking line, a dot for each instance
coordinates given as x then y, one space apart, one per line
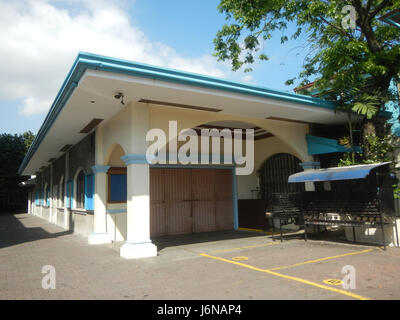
353 295
262 231
248 229
245 247
321 259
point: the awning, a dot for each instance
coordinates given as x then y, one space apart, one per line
337 173
319 145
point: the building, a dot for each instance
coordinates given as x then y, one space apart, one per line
89 156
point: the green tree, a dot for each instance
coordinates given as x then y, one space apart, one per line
12 151
352 64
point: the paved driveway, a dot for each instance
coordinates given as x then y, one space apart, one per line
220 265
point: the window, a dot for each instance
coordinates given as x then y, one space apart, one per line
80 190
117 185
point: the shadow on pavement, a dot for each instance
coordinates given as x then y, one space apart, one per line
13 231
185 239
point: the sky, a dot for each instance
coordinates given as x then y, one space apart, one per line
40 39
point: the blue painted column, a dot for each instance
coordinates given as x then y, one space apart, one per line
235 200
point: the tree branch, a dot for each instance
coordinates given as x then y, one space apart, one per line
336 27
382 5
369 5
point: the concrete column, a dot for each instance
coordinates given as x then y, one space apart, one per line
309 186
66 211
100 235
51 194
138 243
29 202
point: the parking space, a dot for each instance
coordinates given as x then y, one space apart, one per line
215 265
322 265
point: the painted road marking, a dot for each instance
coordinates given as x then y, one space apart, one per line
266 232
334 282
346 293
321 259
240 258
246 247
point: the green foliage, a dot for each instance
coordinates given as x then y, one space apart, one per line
338 58
379 149
12 151
376 149
396 191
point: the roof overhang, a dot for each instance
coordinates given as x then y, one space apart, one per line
89 89
337 173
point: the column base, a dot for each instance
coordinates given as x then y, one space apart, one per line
138 250
99 238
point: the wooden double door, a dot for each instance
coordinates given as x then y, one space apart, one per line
190 200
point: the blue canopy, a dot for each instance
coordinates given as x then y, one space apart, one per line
338 173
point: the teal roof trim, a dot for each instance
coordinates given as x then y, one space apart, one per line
91 61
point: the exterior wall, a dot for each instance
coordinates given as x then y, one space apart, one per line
60 218
117 226
116 131
58 170
82 155
81 223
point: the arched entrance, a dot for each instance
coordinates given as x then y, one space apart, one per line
274 174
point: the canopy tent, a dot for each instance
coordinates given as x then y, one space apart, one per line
337 173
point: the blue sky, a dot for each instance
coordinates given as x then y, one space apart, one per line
41 38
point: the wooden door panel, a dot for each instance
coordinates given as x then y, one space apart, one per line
223 186
177 184
224 215
158 221
178 214
203 216
203 181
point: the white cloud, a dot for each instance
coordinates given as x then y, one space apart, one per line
39 41
249 79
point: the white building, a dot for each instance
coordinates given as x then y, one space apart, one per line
89 156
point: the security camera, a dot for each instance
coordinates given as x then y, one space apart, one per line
118 96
